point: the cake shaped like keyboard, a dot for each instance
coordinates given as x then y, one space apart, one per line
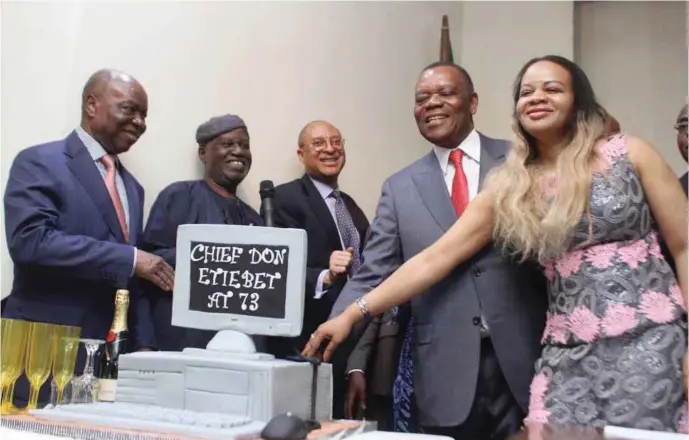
253 385
151 418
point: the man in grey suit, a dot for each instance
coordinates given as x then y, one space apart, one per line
477 332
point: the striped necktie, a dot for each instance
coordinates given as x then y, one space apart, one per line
349 233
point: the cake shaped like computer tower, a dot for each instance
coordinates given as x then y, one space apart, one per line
240 281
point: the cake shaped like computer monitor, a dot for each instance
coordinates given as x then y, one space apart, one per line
240 281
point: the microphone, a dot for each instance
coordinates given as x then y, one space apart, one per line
267 192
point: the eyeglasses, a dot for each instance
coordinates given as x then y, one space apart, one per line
320 144
682 127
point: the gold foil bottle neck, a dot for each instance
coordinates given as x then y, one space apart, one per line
121 297
119 322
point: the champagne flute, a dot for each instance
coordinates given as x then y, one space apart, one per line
66 345
39 359
85 387
15 334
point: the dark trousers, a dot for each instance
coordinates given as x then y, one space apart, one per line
495 414
379 408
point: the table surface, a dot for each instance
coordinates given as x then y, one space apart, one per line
28 427
550 433
25 428
610 433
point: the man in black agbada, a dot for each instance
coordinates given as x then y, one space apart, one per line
224 149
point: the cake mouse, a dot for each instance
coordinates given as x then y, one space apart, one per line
288 427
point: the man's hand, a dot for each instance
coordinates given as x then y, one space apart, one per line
356 394
339 265
154 269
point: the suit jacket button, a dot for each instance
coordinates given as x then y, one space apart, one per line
477 272
476 320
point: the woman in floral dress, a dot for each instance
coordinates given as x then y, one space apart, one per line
589 208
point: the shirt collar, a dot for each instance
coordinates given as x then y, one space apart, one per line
471 146
94 148
323 189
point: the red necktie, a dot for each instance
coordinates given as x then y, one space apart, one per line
111 185
460 187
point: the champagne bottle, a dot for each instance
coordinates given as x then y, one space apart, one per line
115 345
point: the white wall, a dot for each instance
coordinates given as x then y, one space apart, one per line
498 38
278 65
635 54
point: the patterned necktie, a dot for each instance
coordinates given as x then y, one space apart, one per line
349 233
111 185
460 187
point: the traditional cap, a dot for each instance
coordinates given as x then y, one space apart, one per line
216 126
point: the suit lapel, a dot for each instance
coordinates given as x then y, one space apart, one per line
321 211
492 152
134 204
81 164
430 182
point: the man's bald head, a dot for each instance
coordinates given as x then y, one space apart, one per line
321 151
100 80
114 107
307 128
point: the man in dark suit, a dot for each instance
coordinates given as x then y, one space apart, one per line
73 217
335 226
372 368
477 333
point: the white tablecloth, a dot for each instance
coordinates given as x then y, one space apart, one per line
13 434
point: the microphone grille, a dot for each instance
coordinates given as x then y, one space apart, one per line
266 188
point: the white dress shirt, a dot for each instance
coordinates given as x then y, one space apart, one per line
96 151
471 163
326 191
471 146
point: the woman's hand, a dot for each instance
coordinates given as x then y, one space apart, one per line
334 330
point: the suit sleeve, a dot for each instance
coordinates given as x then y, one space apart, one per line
168 212
382 254
141 316
284 219
140 312
32 211
361 355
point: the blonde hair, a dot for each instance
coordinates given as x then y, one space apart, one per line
526 223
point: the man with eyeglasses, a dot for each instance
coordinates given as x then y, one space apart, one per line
336 228
224 149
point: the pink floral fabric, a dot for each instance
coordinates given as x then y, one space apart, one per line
614 334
